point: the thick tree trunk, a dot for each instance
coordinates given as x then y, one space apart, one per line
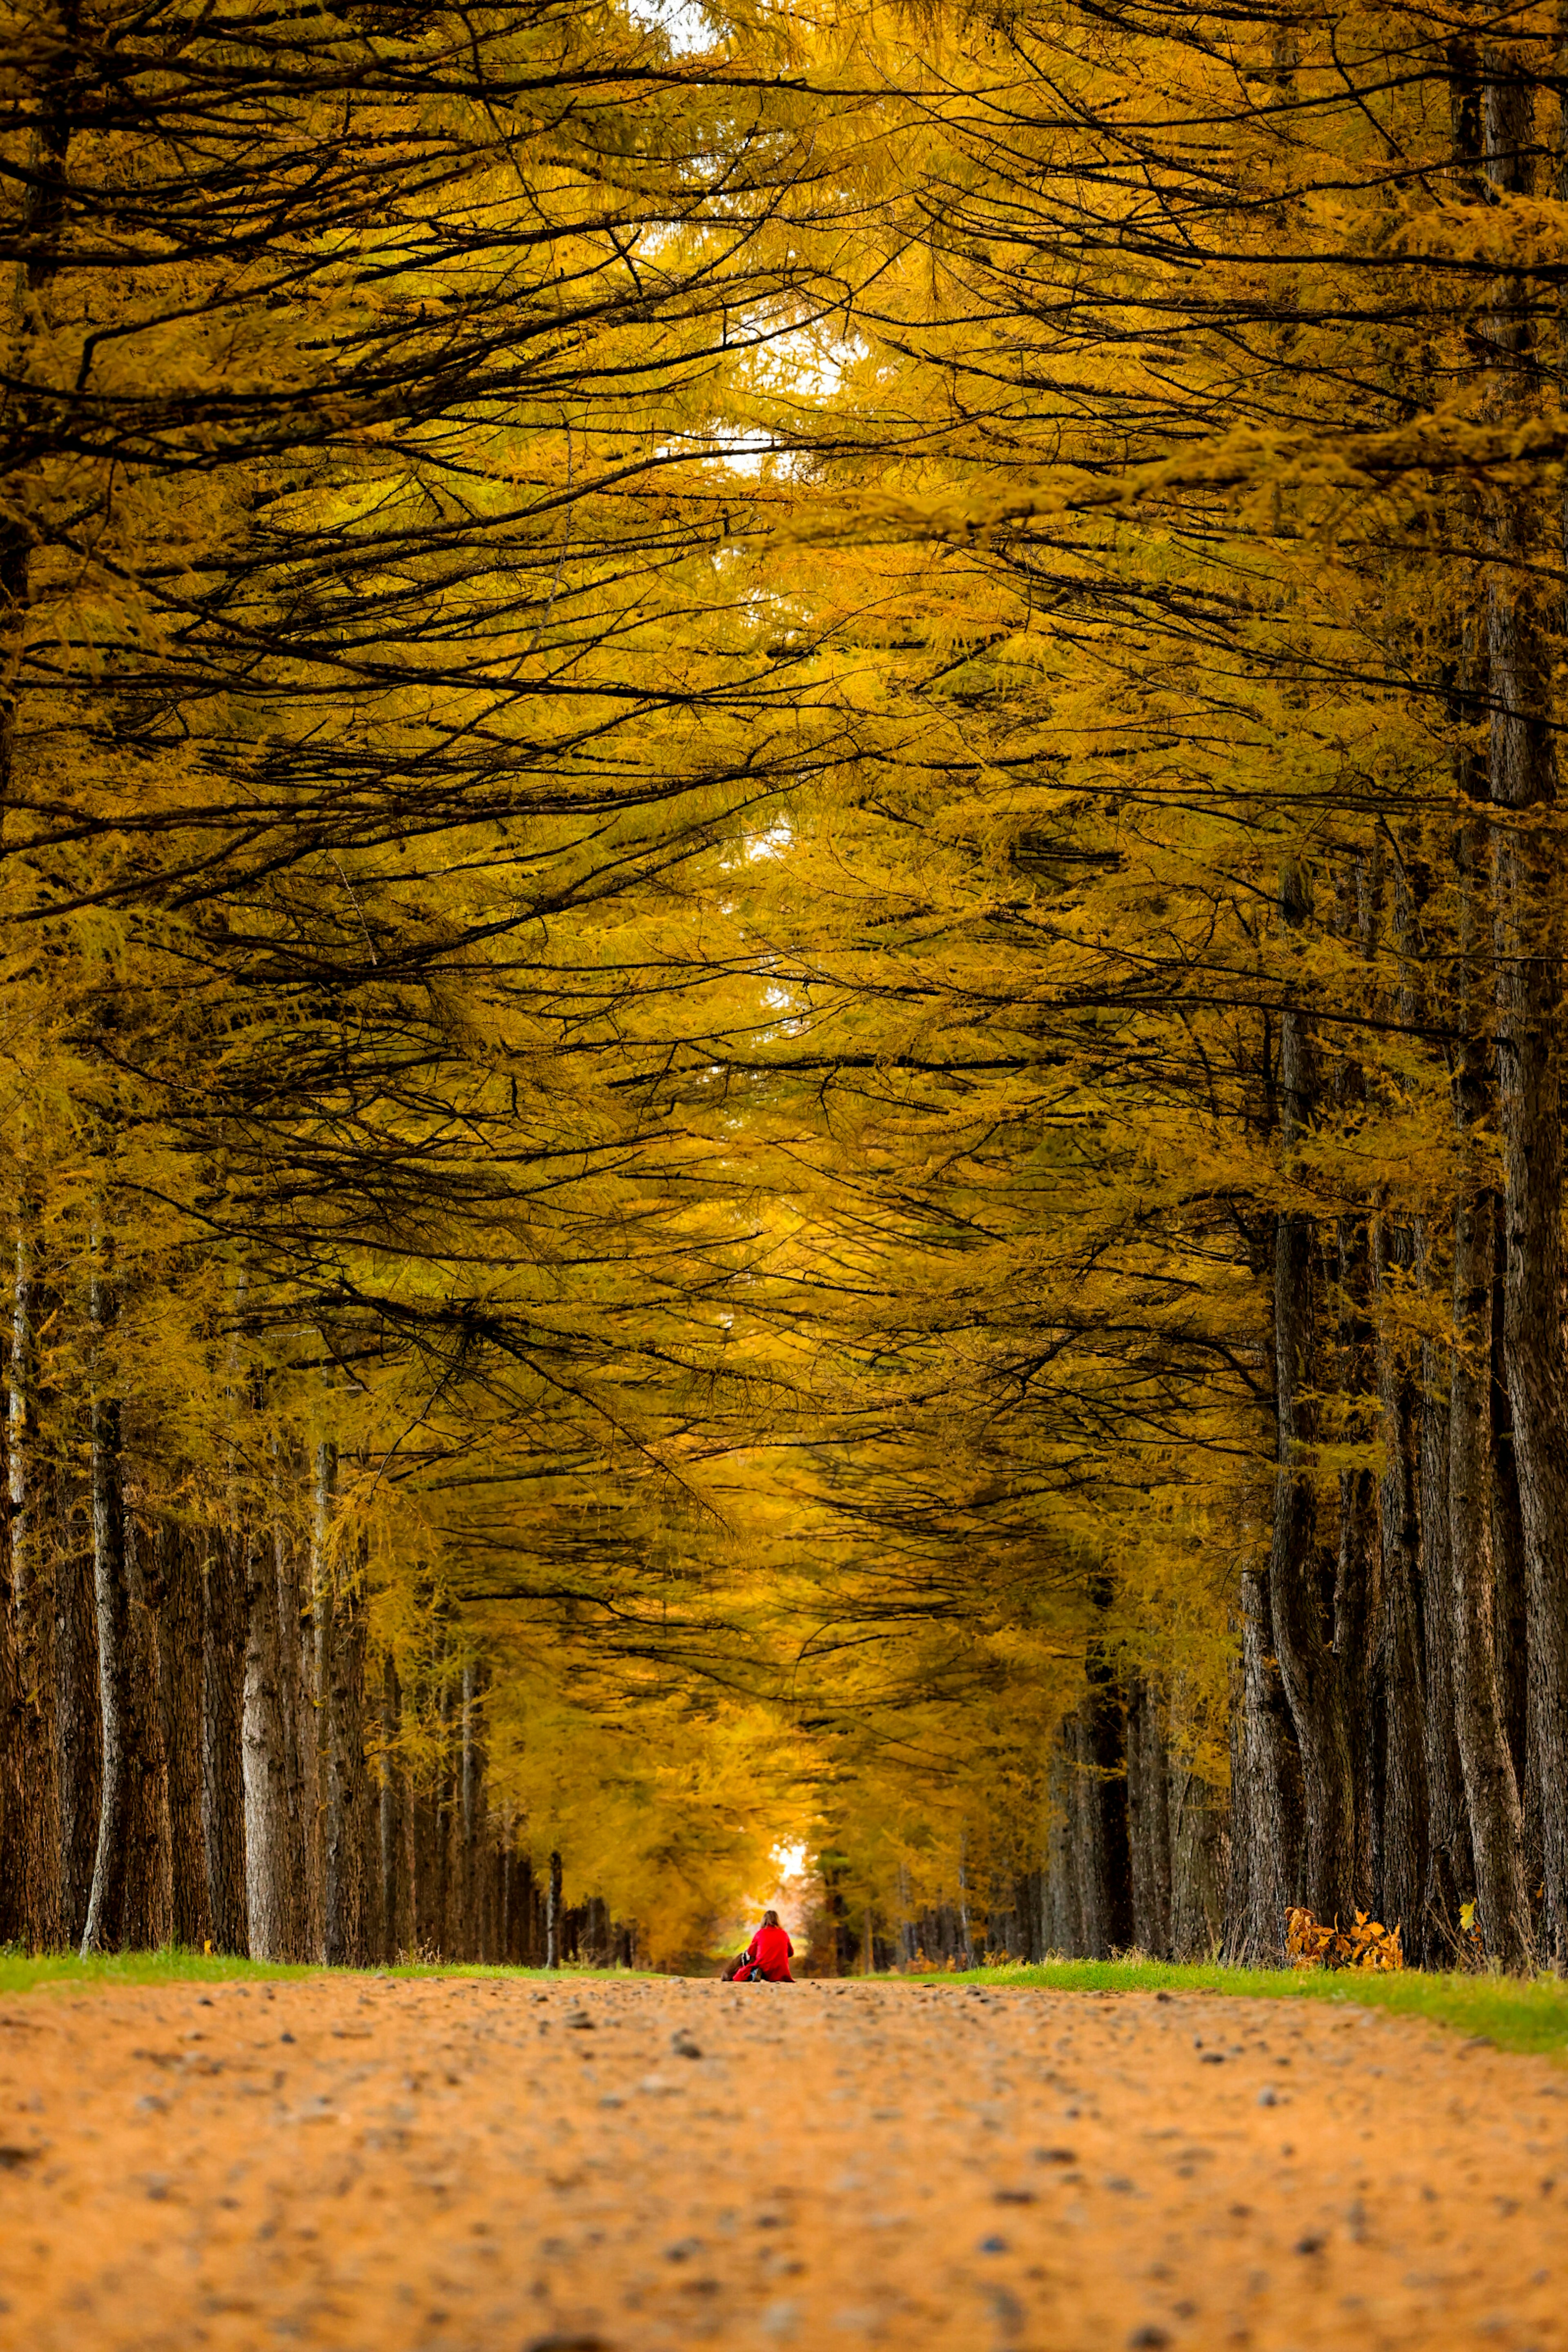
527 1903
468 1821
29 1487
442 1903
299 1745
1200 1867
1302 1573
267 1886
1399 1714
426 1833
130 1905
553 1919
106 1908
152 1885
1105 1891
1491 1792
1149 1823
1066 1923
223 1770
180 1697
407 1886
1266 1802
1450 1866
80 1719
348 1787
314 1745
1510 1571
390 1843
13 1826
1527 899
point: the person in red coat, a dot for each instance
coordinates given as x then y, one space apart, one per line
768 1955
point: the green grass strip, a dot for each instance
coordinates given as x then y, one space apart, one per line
174 1965
1515 2013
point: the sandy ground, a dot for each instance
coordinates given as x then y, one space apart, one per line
608 2166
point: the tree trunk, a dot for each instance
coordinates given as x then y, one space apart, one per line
1450 1866
151 1887
1491 1792
1527 895
299 1746
80 1714
29 1487
552 1917
467 1852
1399 1732
1267 1804
347 1785
1066 1922
266 1845
13 1825
129 1906
427 1927
107 1909
1510 1572
1200 1867
180 1696
314 1714
223 1770
442 1906
1149 1823
1105 1892
1302 1572
526 1913
387 1814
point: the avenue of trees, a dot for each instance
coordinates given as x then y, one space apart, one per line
782 908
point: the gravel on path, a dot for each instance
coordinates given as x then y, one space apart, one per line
603 2165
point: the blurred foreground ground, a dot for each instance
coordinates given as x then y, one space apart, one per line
603 2164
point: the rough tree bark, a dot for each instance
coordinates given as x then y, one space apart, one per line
467 1853
80 1716
29 1487
1148 1822
293 1707
1265 1800
223 1770
1527 899
128 1907
1301 1571
552 1921
347 1784
1492 1793
1199 1866
180 1698
267 1886
1450 1865
313 1744
391 1712
1064 1922
1399 1714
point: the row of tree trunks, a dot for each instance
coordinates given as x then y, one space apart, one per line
193 1742
1393 1665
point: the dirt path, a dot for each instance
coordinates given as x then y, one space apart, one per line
476 2166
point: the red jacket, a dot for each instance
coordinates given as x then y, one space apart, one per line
771 1952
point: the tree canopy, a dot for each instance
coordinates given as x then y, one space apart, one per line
783 977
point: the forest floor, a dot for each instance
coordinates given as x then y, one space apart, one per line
618 2164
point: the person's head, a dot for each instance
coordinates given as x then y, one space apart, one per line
770 1919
